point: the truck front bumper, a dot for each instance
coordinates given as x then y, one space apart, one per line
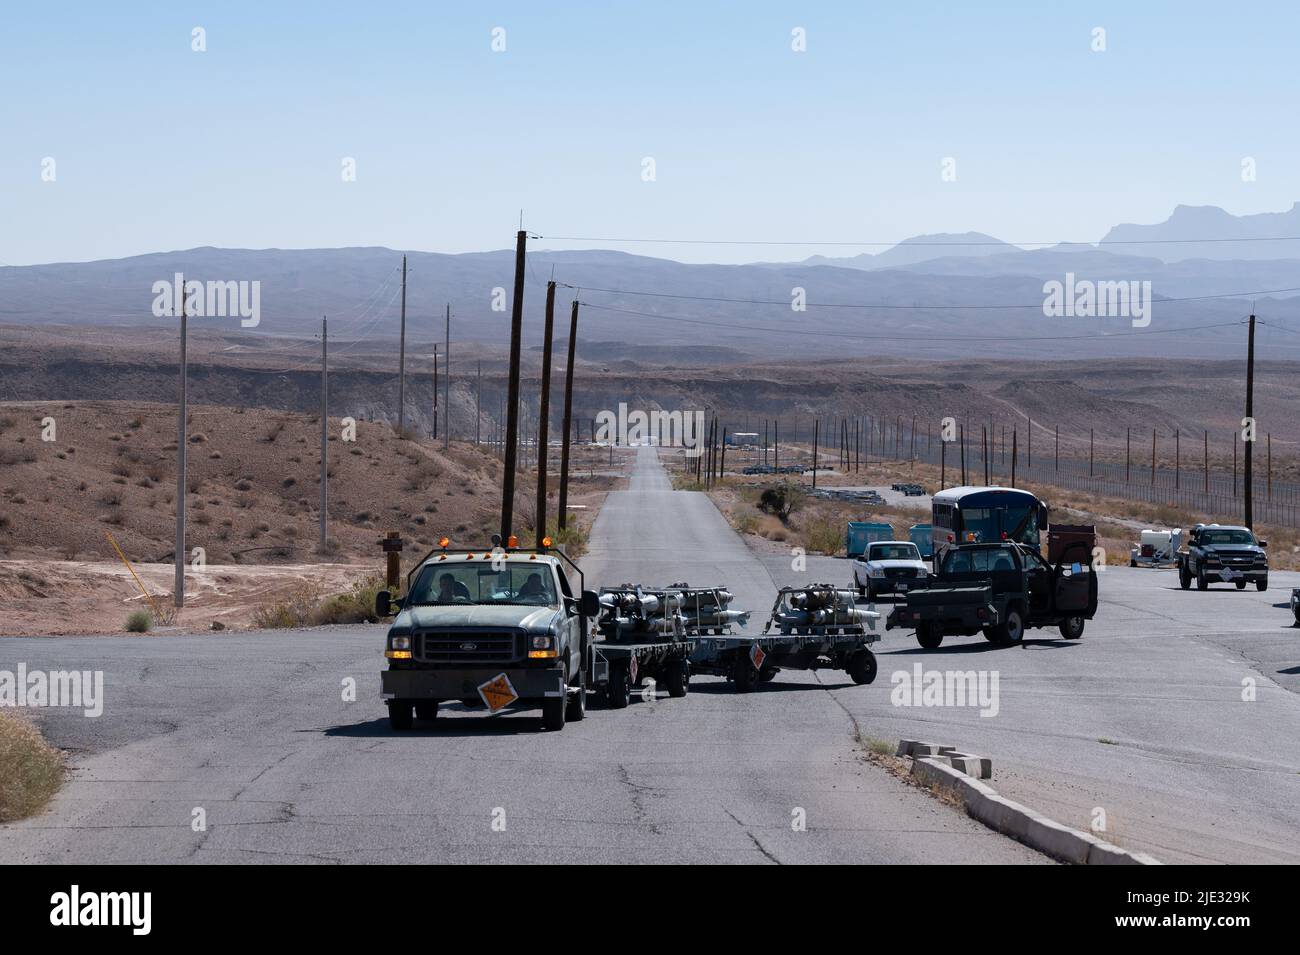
1230 575
416 684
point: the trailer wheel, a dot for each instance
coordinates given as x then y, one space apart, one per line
862 667
1072 628
1184 576
577 704
618 690
426 710
1202 582
553 712
744 675
1011 629
399 715
929 636
678 678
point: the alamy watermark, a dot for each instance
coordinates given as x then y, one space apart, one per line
664 428
82 689
211 299
1084 298
946 688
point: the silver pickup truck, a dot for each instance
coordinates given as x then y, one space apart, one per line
495 628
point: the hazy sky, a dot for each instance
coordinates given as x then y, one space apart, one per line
158 147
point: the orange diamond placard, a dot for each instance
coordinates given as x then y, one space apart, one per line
497 693
757 656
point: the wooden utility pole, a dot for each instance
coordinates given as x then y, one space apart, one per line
984 451
816 437
1014 452
324 432
1250 416
1178 459
512 395
943 463
962 428
1153 457
401 362
446 385
1029 445
1058 447
1270 465
1091 451
562 515
776 443
1207 462
435 391
478 405
544 412
722 458
178 592
1128 451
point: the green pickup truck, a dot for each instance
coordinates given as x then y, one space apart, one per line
495 628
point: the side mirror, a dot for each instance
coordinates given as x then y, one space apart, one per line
383 603
1263 543
589 604
1042 516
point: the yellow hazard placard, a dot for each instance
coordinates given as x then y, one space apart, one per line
497 693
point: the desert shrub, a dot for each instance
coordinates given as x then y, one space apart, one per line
33 769
782 500
823 536
139 621
354 606
293 611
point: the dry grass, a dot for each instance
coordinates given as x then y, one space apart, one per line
31 770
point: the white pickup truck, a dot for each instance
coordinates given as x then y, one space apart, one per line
888 567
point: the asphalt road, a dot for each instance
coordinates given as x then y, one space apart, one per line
1144 718
252 730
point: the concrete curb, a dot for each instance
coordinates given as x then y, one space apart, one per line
1021 823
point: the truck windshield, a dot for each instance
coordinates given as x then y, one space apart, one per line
980 560
477 582
1227 537
894 552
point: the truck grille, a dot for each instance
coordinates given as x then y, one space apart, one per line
466 647
900 573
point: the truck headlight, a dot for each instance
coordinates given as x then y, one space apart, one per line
542 642
400 643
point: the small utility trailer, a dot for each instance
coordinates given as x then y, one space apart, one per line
818 627
641 638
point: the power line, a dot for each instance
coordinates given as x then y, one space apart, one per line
893 337
910 244
786 302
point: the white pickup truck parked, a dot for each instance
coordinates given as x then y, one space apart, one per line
888 567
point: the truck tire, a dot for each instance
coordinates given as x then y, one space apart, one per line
1202 582
743 674
1261 584
426 710
862 667
577 705
929 636
678 678
1072 628
554 709
1012 628
618 691
399 715
1241 584
768 674
1184 576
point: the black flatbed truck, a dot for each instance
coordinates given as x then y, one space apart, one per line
1000 590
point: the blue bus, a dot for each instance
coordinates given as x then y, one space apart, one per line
985 515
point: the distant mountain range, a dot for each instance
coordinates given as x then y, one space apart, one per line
911 292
